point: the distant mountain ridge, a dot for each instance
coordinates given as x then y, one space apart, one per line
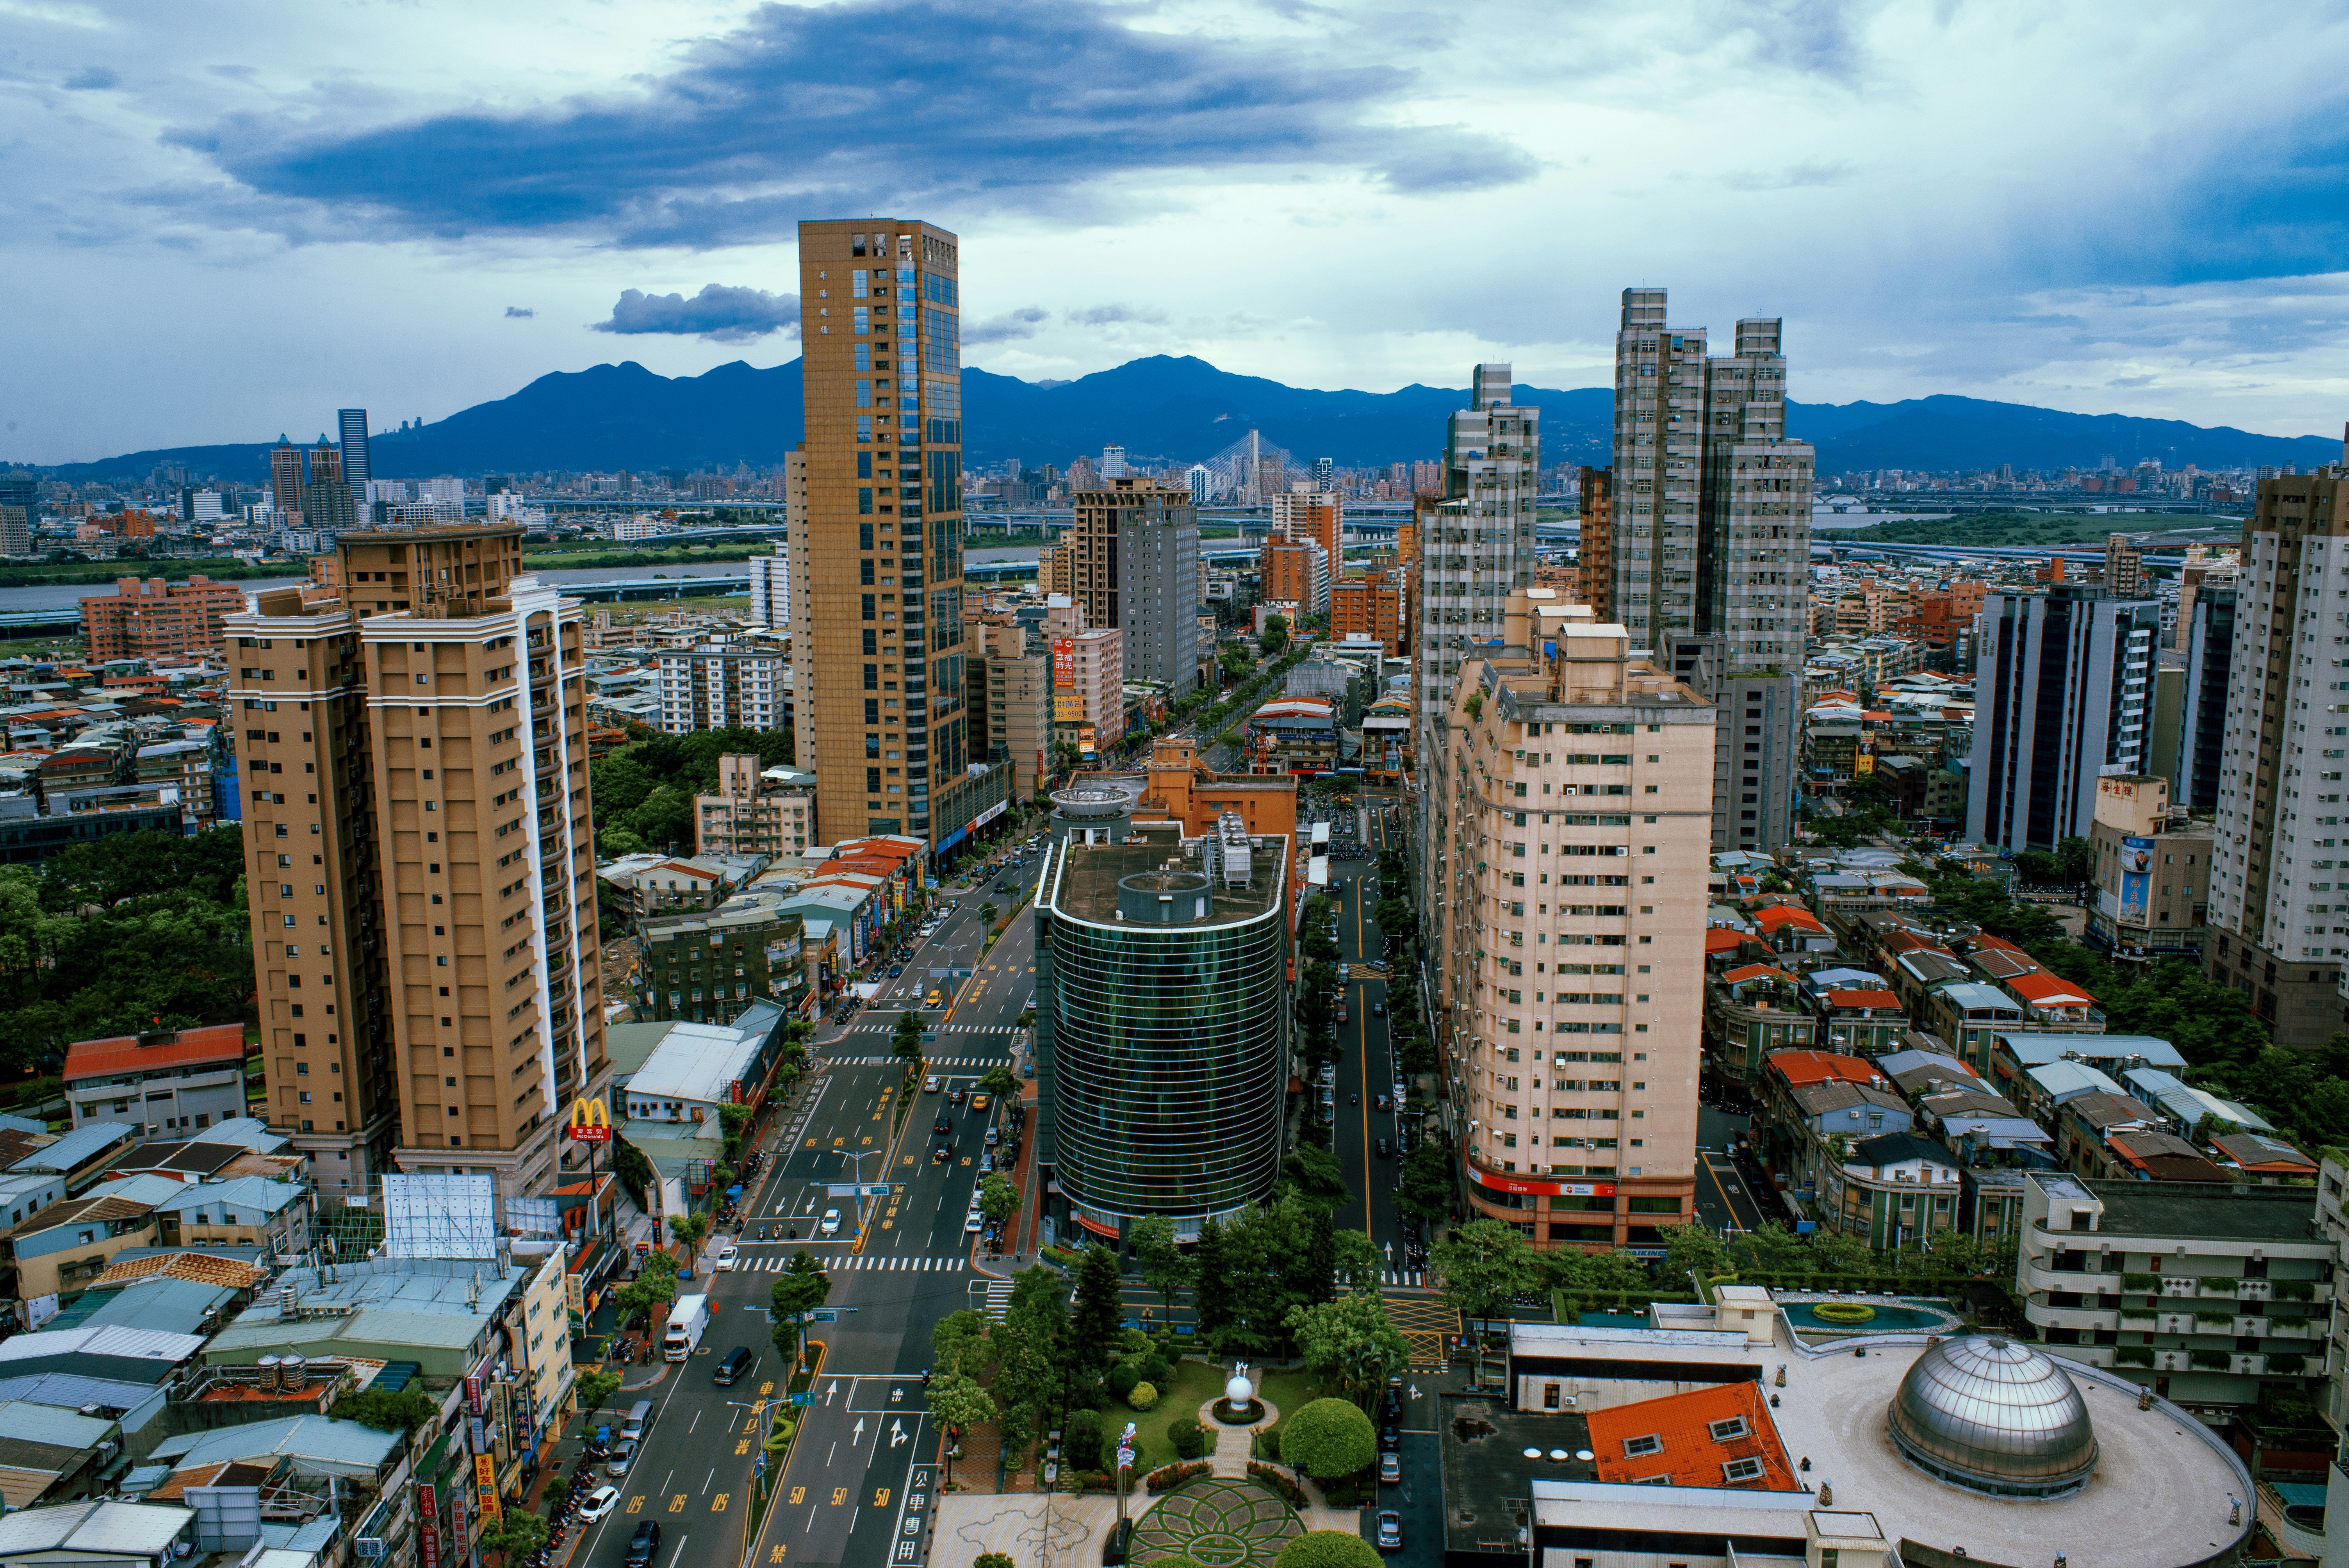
1182 410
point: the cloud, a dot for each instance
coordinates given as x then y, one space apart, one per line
518 313
91 78
808 111
1007 327
1110 314
718 314
1794 176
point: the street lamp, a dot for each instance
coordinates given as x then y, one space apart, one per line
856 1161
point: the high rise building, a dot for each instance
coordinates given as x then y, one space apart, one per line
1162 1022
1294 571
2207 638
1475 548
287 474
1595 557
1711 507
883 566
156 619
751 814
1112 462
2124 566
1011 705
1569 958
1325 474
2277 932
357 466
2062 697
1370 607
327 503
770 589
1299 512
1131 557
418 834
725 683
1200 480
20 503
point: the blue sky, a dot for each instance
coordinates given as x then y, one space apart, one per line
230 219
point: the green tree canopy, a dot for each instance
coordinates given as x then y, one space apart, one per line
1352 1341
1093 1332
1164 1265
409 1411
1329 1438
1329 1549
799 1290
1482 1264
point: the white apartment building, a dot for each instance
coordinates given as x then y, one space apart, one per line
741 684
770 589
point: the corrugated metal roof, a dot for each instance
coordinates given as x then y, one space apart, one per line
101 1339
84 1143
97 1526
319 1443
32 1423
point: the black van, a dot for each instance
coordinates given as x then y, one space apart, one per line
729 1371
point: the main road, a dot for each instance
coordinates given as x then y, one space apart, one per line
865 1460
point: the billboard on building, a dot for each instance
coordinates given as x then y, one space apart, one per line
440 1217
2136 880
1085 741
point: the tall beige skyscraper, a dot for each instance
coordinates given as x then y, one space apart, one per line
420 838
1569 962
878 652
1711 557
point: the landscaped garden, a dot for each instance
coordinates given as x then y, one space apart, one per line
1218 1525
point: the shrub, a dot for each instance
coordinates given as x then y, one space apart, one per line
1123 1376
1329 1549
2214 1359
2288 1363
1189 1438
1142 1397
1328 1439
2294 1290
1156 1368
1166 1476
993 1559
1081 1441
2134 1356
1279 1481
2145 1282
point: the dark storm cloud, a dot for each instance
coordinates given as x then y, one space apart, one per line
720 314
810 110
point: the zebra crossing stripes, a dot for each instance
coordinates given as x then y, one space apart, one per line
933 1063
891 1029
1413 1278
998 1299
775 1263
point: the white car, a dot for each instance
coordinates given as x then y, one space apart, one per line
600 1501
930 1084
972 1222
726 1257
831 1223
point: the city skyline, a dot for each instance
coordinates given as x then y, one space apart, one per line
1916 238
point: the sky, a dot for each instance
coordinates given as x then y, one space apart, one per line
226 220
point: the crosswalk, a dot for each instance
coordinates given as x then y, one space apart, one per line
775 1263
998 1299
891 1029
931 1064
1412 1279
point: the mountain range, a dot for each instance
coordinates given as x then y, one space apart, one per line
1162 409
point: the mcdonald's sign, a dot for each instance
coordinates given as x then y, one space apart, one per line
590 1121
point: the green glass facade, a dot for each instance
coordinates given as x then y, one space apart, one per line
1163 1052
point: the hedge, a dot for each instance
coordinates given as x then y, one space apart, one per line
1280 1482
2134 1356
1168 1476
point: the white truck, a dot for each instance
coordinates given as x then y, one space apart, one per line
687 1319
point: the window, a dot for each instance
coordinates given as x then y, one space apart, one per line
1745 1469
1634 1448
1724 1431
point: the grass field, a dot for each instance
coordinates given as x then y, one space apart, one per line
1195 1383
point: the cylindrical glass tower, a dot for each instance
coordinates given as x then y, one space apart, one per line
1162 1022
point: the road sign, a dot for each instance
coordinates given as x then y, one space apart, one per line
857 1190
804 1397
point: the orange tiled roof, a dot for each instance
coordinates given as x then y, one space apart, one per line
1721 939
1862 999
1818 1067
124 1054
2046 990
1677 1439
1780 917
1752 971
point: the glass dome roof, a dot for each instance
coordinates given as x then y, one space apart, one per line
1991 1415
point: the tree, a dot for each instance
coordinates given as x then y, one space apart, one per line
1211 1293
1357 1259
1275 635
988 913
651 1288
732 1119
1027 1374
1425 1192
594 1388
688 1228
1329 1438
1351 1341
1483 1265
1093 1327
1314 1174
798 1291
906 1044
515 1535
998 1080
1692 1248
999 1198
409 1411
958 1404
1164 1264
1326 1549
960 1342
